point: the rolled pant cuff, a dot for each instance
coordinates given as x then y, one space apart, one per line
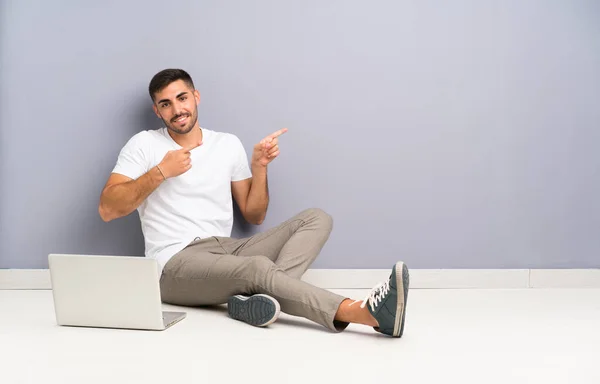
337 325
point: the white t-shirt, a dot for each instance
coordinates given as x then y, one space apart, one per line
197 203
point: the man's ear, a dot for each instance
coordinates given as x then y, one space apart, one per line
155 110
197 96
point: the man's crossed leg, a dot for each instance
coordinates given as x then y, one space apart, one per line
259 275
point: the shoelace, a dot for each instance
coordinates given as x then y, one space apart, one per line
375 296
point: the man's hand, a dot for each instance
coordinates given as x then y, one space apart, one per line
177 161
267 149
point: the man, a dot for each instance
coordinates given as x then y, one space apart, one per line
181 179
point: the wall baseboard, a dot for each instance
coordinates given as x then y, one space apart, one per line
25 279
367 278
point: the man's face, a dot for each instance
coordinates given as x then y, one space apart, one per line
177 106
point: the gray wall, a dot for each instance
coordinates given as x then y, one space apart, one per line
457 134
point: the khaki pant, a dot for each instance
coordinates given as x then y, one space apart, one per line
208 271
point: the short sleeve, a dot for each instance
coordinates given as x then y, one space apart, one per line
132 161
241 169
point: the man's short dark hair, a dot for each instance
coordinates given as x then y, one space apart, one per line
165 77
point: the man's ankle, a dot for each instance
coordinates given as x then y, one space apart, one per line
369 319
350 311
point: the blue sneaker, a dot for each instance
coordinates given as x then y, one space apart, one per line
258 310
387 302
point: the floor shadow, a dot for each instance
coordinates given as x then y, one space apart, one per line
301 324
315 326
293 322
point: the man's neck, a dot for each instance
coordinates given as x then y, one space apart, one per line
192 137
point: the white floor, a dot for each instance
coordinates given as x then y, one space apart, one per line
451 336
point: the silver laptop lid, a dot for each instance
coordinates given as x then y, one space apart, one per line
106 291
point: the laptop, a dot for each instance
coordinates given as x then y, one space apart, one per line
108 292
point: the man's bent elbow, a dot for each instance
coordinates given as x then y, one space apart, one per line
253 219
105 214
259 220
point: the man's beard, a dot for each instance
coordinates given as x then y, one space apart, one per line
184 130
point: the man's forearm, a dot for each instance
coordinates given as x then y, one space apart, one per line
122 199
258 197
